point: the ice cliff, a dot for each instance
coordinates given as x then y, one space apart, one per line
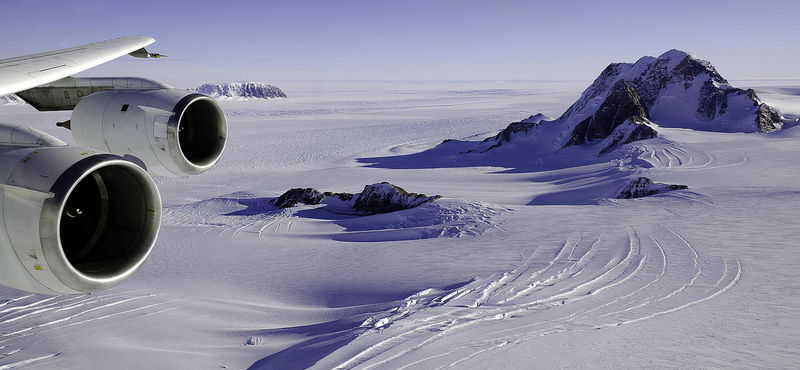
243 91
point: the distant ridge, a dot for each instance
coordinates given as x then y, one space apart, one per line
241 91
232 91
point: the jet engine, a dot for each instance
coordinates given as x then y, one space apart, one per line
172 132
75 220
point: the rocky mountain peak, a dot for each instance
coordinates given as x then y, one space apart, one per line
628 101
674 54
690 68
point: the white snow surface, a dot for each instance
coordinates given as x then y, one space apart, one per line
522 265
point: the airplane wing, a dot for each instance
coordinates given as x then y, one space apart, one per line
29 71
77 219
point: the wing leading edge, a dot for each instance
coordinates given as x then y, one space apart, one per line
29 71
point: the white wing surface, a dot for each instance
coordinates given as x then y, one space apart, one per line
29 71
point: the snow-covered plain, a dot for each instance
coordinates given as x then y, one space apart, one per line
523 267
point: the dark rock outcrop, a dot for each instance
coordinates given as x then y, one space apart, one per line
768 119
523 126
385 197
622 104
375 199
296 196
691 68
643 187
640 131
713 98
513 128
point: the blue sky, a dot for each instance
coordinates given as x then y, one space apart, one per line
412 40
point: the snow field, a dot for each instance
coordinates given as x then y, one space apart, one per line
522 267
582 284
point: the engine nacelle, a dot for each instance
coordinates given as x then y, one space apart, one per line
173 132
73 220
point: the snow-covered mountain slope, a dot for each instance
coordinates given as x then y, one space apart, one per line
627 103
680 90
241 91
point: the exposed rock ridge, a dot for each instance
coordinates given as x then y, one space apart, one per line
296 196
385 197
644 187
622 105
609 75
523 126
374 199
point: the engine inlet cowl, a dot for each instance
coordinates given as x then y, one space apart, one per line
101 224
173 132
78 221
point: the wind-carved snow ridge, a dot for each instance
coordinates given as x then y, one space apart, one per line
446 217
230 214
664 156
33 322
241 91
587 282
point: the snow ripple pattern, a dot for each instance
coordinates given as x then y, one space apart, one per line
670 156
588 282
32 325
